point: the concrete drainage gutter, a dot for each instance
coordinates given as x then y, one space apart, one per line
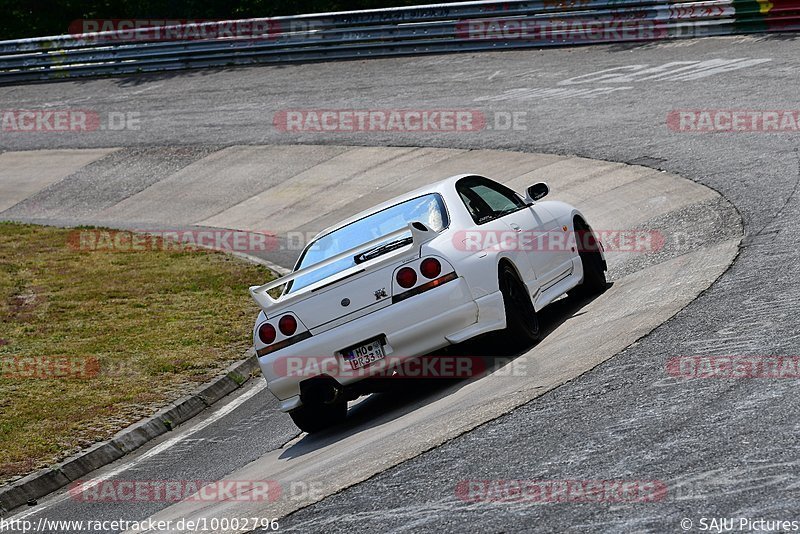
46 481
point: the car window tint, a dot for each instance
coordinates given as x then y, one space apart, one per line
486 200
495 199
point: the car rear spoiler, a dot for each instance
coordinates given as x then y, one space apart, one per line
420 234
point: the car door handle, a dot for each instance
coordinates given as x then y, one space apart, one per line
515 227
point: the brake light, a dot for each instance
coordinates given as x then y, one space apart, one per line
267 333
425 287
430 268
287 325
406 277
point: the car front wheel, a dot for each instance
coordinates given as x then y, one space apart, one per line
594 276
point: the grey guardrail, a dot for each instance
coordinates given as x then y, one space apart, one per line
436 28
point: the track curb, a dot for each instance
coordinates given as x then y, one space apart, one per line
40 483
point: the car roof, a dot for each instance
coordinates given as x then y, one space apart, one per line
435 187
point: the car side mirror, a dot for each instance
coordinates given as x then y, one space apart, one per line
536 192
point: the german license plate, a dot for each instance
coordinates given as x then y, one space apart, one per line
365 354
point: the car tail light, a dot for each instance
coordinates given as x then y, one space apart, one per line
425 287
267 333
430 268
287 325
406 277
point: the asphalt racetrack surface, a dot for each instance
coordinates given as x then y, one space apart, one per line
721 447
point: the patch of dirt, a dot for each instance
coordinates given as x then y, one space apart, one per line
21 306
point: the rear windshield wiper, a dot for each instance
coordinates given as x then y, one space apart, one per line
382 249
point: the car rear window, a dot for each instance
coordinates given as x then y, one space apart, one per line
428 209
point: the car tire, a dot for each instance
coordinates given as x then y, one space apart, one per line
314 418
522 322
594 276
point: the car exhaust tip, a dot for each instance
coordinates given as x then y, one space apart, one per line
321 391
329 395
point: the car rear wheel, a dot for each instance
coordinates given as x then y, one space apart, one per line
314 418
594 276
522 322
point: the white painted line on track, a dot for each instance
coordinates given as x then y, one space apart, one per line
158 449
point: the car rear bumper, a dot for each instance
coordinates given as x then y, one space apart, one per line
411 328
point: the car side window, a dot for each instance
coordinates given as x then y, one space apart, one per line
486 200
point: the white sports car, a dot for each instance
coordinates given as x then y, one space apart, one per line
439 265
